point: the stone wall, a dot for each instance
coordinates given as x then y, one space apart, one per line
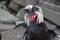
51 12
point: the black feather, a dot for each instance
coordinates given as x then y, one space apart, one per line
37 32
22 24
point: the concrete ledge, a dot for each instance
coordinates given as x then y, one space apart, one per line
51 12
50 26
21 2
5 27
5 16
51 15
14 6
50 6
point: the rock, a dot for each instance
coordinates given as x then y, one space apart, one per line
16 34
56 38
57 31
21 2
5 27
20 14
50 26
7 20
5 16
13 5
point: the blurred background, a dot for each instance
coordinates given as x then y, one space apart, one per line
12 14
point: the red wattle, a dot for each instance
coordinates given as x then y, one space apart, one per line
31 17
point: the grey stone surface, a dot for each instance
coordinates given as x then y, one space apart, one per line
16 34
6 20
57 37
50 6
32 2
50 26
4 27
51 12
20 14
57 31
2 4
13 5
21 2
52 15
5 16
27 2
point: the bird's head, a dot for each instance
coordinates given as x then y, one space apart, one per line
33 14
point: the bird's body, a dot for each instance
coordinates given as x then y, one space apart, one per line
37 29
37 32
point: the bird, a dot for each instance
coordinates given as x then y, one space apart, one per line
36 27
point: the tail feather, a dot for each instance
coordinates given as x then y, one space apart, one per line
22 24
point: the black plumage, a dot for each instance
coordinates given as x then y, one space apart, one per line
37 32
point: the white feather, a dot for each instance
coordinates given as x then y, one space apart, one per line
39 14
26 19
28 7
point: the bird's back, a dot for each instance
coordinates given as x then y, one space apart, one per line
39 32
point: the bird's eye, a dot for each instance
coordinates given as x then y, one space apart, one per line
26 10
35 9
